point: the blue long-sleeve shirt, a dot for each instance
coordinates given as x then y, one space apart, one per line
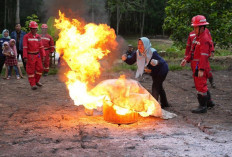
159 70
14 36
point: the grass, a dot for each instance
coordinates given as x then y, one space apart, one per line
123 66
52 71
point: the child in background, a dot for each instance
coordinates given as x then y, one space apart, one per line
13 47
11 61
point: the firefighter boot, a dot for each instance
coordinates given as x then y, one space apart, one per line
210 103
202 108
212 82
33 87
39 84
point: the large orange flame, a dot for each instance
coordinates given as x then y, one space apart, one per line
82 46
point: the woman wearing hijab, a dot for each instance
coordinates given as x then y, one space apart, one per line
11 61
148 60
5 37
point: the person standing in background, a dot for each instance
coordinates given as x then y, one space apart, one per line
18 35
5 37
49 47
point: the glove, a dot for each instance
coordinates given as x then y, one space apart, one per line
124 57
154 62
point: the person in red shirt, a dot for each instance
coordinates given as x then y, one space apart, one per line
188 50
49 47
200 52
33 51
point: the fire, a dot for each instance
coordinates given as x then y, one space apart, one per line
83 46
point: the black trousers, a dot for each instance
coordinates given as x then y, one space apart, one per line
21 53
158 90
2 61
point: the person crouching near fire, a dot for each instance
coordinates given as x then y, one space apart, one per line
48 44
199 63
148 60
33 51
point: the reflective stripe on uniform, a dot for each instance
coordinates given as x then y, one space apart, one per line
202 93
25 47
38 73
45 38
196 60
205 54
46 68
32 39
31 75
41 47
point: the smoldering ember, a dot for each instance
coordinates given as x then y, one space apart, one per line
98 93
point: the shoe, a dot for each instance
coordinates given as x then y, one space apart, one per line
211 81
202 108
210 103
8 78
33 87
17 77
39 84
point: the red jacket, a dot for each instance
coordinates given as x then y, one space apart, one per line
189 44
202 50
48 42
32 44
191 36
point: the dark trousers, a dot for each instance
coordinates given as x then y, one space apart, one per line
21 53
158 90
2 61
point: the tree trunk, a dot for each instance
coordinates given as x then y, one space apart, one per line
5 16
143 17
17 20
118 13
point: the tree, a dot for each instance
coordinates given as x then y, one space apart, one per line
121 7
17 12
217 12
33 17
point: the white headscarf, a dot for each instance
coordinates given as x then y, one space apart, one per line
143 58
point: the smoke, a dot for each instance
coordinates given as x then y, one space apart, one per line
89 10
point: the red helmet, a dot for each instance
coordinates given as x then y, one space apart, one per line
199 20
193 19
33 24
44 26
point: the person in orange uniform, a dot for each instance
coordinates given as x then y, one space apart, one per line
199 59
33 51
49 47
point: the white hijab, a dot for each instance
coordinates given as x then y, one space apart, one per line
143 58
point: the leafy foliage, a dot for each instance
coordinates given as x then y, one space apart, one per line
52 29
217 12
33 17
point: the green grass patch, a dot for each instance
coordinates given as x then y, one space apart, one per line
223 52
177 67
218 67
53 71
123 66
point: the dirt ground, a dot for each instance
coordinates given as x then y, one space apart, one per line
46 122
